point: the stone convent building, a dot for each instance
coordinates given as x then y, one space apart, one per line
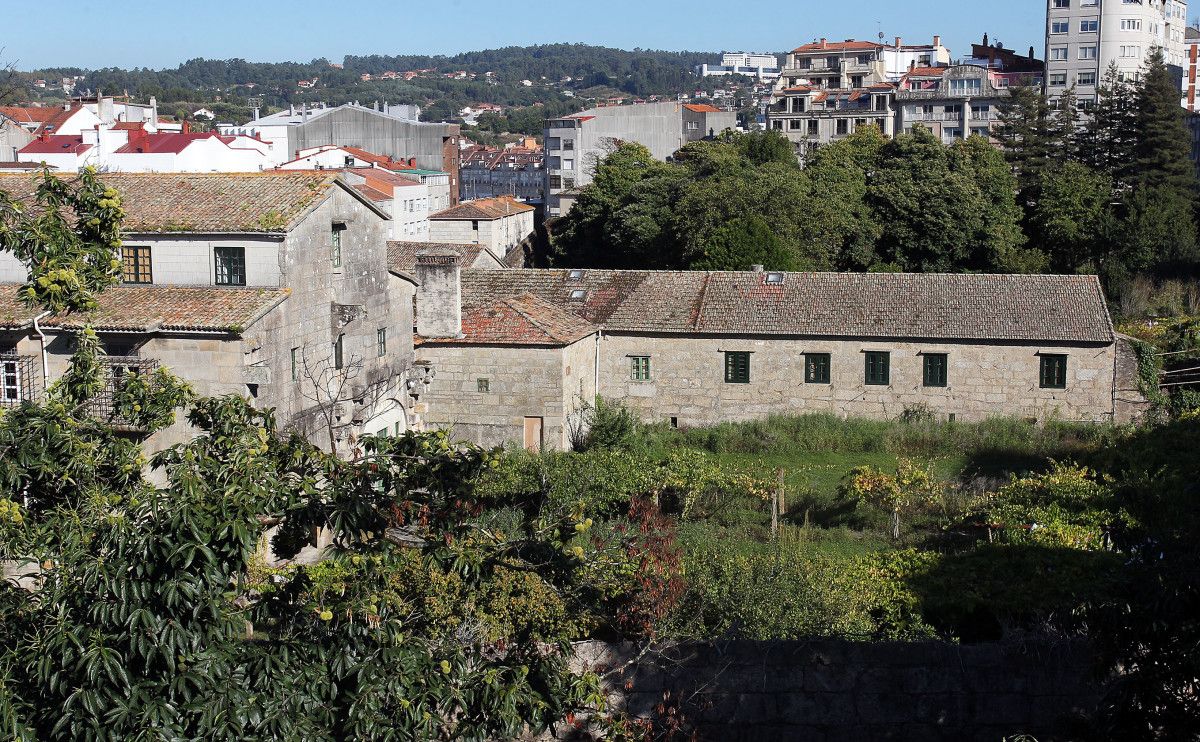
274 286
516 352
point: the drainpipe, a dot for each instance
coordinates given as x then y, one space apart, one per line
45 365
596 367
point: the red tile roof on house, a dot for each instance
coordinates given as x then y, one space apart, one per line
928 306
167 142
483 209
29 115
60 117
382 177
524 319
838 46
151 308
701 108
55 145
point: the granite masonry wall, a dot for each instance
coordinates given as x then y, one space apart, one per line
983 379
835 691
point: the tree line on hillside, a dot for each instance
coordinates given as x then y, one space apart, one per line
208 81
1116 197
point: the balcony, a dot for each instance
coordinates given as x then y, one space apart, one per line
20 379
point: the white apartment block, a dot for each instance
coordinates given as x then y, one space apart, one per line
1085 37
758 66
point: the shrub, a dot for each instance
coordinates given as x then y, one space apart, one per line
1065 507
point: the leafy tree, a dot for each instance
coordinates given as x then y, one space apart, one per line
742 243
147 611
1072 216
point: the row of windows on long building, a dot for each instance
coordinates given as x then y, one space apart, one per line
876 369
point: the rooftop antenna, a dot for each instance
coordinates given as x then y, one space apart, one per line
255 103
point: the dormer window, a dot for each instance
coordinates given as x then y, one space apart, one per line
575 274
578 295
774 278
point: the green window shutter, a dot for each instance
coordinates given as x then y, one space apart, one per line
935 365
737 367
877 371
1054 372
816 368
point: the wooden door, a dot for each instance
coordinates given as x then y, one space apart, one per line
533 434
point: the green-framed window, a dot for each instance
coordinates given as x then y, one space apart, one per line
381 342
1054 371
338 350
878 367
934 367
737 367
230 266
295 364
335 244
639 368
816 368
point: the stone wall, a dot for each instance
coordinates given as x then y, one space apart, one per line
521 382
983 379
830 691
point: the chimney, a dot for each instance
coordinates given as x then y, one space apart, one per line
292 109
152 125
187 128
412 162
985 39
897 42
937 40
1031 52
105 111
439 293
756 268
824 43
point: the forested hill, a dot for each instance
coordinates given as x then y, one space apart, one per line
639 72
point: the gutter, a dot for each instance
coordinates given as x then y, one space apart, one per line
45 363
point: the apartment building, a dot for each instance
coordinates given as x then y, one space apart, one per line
575 143
758 66
828 89
952 102
1085 37
515 171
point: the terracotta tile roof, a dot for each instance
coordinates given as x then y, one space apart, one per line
271 201
148 308
524 319
29 115
927 71
402 256
371 193
837 46
1036 308
382 176
483 208
701 108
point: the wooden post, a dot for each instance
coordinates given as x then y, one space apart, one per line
782 497
775 499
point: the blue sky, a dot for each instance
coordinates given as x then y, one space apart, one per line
100 33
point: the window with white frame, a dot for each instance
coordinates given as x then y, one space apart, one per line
1058 53
1058 79
1089 25
1086 78
1057 27
1131 51
1131 24
1088 52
